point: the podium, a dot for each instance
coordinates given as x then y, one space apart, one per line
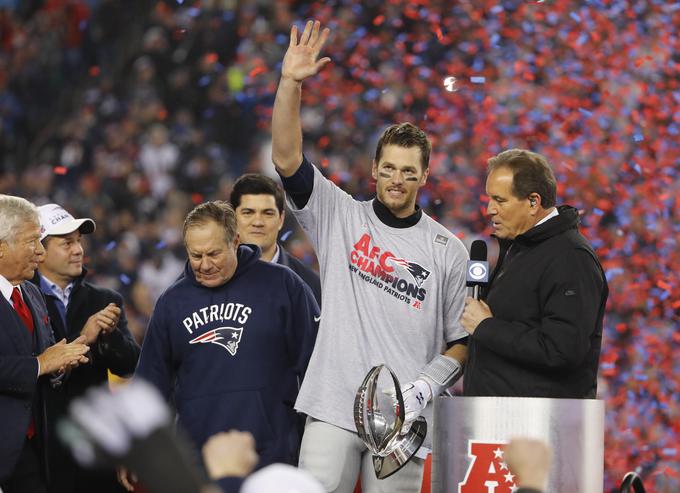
469 433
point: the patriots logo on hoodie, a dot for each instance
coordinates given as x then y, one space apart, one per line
227 337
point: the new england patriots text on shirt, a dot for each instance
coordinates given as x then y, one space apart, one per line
377 266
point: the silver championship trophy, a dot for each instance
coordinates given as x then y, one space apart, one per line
379 418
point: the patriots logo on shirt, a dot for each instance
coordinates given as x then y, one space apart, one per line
227 337
418 272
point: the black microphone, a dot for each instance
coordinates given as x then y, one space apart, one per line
477 268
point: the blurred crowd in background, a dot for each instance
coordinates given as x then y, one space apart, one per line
132 111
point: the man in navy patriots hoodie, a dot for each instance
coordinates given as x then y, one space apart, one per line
224 339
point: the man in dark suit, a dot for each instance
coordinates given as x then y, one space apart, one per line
258 202
78 308
28 355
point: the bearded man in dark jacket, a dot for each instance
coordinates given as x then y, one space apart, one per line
537 330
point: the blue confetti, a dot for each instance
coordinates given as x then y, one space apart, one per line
638 137
371 95
110 246
125 279
286 234
612 273
585 112
478 80
478 64
160 245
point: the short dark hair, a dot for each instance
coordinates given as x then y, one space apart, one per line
254 184
531 173
405 135
218 211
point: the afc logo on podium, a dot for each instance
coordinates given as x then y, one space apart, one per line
487 471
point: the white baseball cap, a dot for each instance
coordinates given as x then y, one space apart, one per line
54 220
281 478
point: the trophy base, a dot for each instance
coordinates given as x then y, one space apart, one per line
403 449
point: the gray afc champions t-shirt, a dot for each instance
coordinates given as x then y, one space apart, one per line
391 296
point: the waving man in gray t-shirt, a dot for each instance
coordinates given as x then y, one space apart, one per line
392 279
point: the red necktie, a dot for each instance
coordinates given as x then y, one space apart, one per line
25 315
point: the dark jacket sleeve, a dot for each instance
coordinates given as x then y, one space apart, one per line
18 368
230 484
118 350
156 356
310 277
570 293
303 323
18 374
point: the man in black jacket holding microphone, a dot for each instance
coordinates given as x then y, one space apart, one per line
537 329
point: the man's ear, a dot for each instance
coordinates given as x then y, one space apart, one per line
426 173
534 200
282 218
374 170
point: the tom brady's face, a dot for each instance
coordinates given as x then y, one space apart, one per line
399 175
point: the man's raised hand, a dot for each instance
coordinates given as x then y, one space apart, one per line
300 60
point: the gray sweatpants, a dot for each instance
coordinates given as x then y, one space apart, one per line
336 457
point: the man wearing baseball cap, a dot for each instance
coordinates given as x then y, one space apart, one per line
77 307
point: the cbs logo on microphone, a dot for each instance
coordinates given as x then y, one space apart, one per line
478 271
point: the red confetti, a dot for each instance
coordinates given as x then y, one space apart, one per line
257 71
664 285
